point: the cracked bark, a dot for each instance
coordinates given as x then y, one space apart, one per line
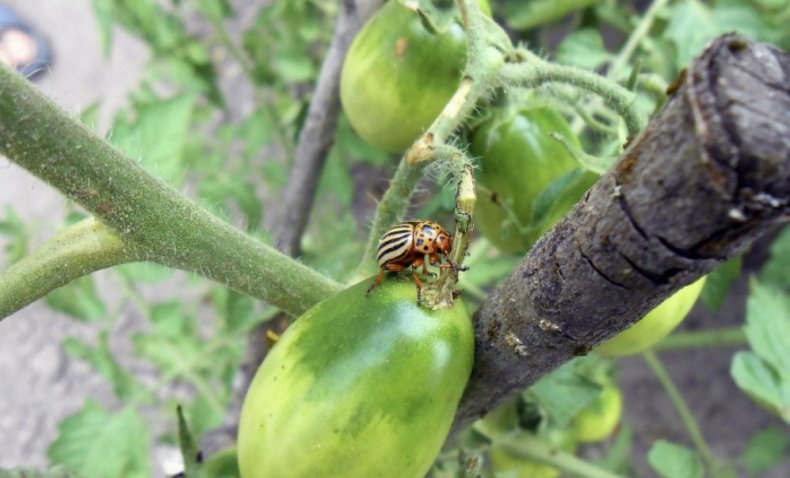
709 175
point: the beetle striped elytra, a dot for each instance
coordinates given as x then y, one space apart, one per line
406 244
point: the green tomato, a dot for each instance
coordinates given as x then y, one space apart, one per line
397 76
598 420
358 387
518 161
657 324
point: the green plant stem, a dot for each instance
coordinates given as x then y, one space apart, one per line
725 337
532 72
682 408
481 64
75 251
636 37
159 223
531 448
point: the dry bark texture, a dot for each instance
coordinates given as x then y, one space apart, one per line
709 174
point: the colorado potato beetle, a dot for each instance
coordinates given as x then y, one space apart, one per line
406 245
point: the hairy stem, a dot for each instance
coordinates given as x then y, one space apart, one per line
482 63
161 224
532 72
80 249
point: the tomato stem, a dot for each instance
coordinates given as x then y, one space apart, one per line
692 427
80 249
531 71
722 337
160 223
483 60
532 448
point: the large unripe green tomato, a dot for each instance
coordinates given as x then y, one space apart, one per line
397 76
657 324
518 161
357 387
598 420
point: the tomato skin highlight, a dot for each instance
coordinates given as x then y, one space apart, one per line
518 160
358 387
398 76
597 421
657 324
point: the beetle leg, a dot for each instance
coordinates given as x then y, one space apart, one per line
376 282
418 283
456 267
380 276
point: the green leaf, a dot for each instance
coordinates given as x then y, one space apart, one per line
583 48
336 179
765 450
692 24
18 237
776 270
99 443
79 300
565 392
158 136
55 472
691 27
674 461
718 284
217 10
764 373
554 193
102 10
124 384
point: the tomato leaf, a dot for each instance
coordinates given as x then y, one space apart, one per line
692 24
157 136
583 48
124 384
718 284
674 461
96 442
776 270
15 231
564 392
765 450
764 373
553 193
79 300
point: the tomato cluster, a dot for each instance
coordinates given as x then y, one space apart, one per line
362 387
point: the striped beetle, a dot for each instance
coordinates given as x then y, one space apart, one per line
406 245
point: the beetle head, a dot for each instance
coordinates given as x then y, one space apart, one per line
444 242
